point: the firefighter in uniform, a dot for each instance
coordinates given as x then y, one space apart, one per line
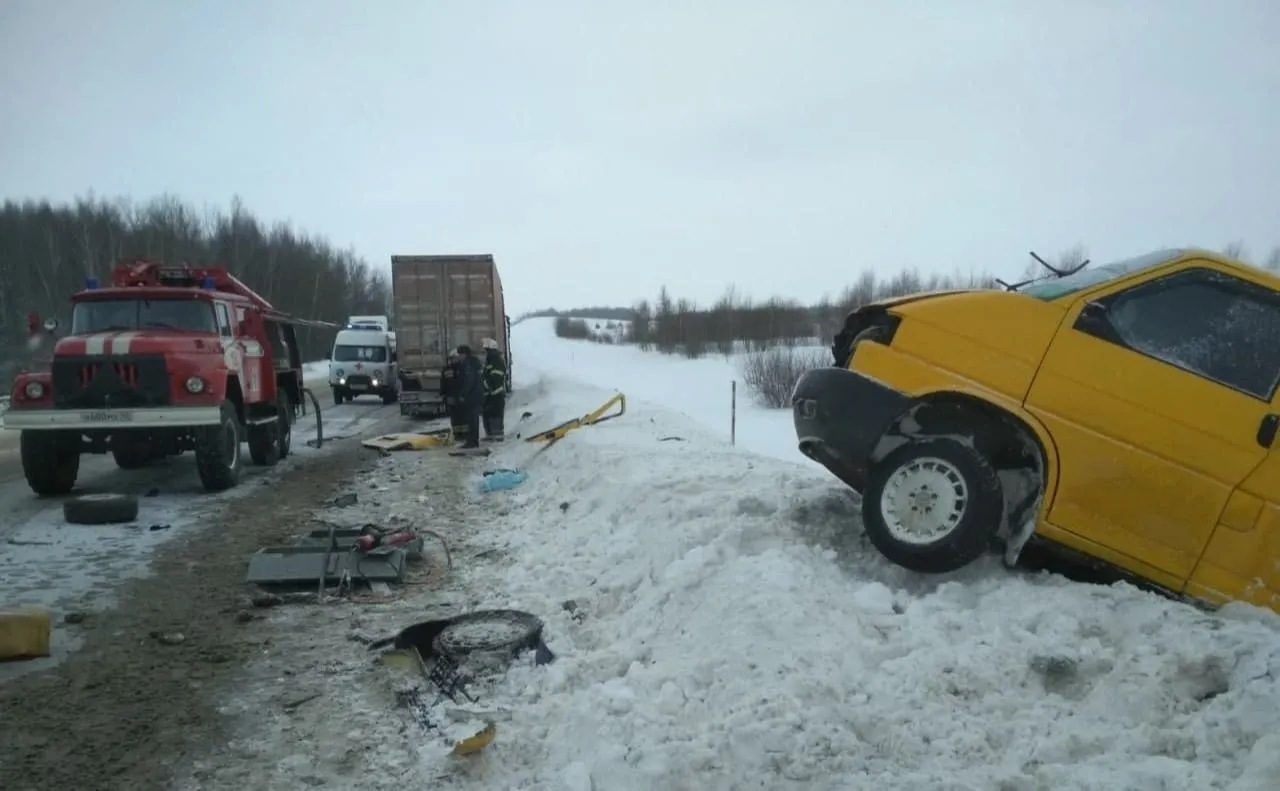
449 394
495 391
470 386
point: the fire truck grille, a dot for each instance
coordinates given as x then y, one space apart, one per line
106 382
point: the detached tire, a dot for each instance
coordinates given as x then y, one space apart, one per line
933 505
490 633
101 509
218 457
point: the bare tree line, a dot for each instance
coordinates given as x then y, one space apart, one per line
736 323
739 323
47 251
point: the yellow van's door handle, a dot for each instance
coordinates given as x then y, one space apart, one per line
1267 429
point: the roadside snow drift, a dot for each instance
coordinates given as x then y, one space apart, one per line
721 623
700 389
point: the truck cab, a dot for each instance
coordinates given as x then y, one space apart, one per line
159 361
364 361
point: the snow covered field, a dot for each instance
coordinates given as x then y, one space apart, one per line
730 629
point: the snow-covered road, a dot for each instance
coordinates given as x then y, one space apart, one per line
729 628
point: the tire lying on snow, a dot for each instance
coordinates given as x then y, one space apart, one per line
932 505
101 509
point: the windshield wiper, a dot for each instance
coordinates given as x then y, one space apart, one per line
1057 273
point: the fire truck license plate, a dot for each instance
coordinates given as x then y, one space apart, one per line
357 387
107 417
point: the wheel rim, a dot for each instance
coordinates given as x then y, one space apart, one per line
924 500
231 444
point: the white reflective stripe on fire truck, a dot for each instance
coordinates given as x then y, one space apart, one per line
119 344
96 345
86 419
252 348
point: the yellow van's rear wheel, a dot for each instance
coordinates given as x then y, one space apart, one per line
933 505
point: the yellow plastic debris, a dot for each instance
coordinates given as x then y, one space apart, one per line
408 441
474 744
25 632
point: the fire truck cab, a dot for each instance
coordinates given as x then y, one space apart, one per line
162 360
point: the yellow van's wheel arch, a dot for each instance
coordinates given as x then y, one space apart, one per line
1003 442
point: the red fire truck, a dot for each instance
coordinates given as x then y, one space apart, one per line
162 360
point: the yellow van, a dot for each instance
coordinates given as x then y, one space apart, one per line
1127 412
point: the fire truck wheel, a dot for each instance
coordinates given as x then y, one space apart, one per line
285 434
262 444
100 509
50 462
218 451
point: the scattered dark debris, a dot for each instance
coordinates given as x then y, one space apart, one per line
245 616
168 638
18 542
1054 666
290 705
73 618
575 612
262 598
345 500
672 439
154 528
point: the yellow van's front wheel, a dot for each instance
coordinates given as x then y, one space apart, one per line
933 505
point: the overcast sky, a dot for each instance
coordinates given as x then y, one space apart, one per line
602 149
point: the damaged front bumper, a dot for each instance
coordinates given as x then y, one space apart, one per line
840 416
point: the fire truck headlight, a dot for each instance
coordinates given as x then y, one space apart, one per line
34 390
195 385
340 373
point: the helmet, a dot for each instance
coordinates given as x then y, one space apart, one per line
489 343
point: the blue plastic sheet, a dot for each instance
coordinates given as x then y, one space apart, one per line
501 480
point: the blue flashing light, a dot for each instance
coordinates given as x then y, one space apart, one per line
91 282
208 283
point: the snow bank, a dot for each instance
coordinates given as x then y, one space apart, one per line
729 628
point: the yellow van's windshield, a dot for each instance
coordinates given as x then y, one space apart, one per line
1063 286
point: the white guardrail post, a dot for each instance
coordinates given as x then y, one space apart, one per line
733 413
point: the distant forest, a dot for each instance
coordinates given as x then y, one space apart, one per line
735 322
48 250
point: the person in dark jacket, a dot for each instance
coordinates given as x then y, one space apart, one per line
449 394
470 394
495 392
